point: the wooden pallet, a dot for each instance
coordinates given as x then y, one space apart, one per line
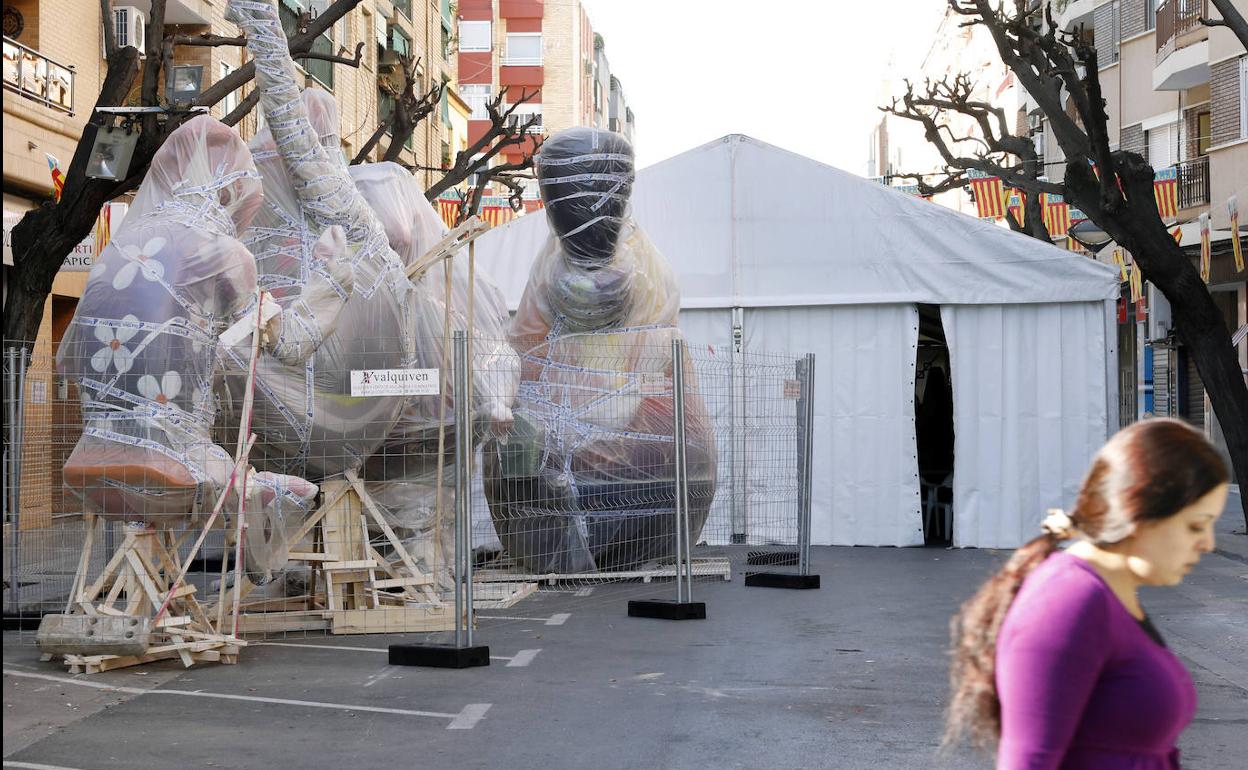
142 578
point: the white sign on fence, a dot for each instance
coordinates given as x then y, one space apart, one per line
394 382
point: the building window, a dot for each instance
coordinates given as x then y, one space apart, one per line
524 49
474 36
319 70
1204 132
476 97
230 102
1243 98
400 43
526 111
1150 13
1163 144
404 7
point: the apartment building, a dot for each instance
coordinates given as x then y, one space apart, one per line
899 146
53 70
1176 92
544 49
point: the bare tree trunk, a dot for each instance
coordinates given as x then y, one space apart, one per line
1198 323
44 236
1232 19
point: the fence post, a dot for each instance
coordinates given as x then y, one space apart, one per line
683 608
12 449
806 450
463 653
738 414
463 470
804 416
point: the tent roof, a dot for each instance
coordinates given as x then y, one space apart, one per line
744 223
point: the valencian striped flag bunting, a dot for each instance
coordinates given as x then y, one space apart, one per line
58 179
1016 204
1237 248
989 197
1166 190
1056 214
1177 235
1205 255
1120 259
449 211
1136 283
103 229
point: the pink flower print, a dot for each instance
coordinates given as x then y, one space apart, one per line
115 351
161 392
140 261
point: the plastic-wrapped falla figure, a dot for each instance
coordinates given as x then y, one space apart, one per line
402 475
306 421
142 345
585 478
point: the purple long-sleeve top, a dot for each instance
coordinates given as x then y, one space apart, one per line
1082 684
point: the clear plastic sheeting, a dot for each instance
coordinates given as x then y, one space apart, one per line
402 476
142 345
328 328
585 479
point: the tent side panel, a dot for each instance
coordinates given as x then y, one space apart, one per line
1029 411
866 489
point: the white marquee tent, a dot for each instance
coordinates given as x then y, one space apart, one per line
809 258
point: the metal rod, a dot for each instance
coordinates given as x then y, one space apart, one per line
15 586
10 462
806 448
463 439
684 583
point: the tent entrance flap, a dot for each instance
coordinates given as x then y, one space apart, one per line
1030 402
933 428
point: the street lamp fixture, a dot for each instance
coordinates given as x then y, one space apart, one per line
1089 235
185 83
111 153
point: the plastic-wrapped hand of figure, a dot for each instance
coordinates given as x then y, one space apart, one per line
313 315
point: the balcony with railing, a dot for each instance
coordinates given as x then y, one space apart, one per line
1177 20
1193 182
34 76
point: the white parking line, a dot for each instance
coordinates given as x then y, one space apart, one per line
586 591
321 646
464 720
469 716
558 619
523 658
34 765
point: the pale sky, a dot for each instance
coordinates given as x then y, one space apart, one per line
804 75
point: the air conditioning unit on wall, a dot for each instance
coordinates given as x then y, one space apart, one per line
1159 323
131 27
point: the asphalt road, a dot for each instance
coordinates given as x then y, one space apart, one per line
849 676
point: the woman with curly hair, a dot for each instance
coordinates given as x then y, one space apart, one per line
1055 662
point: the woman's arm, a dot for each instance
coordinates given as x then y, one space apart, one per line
1050 654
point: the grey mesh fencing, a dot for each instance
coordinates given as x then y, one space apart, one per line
631 456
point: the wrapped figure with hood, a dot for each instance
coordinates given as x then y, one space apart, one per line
585 479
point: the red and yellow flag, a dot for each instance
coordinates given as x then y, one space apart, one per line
103 229
1016 204
1237 248
989 197
58 179
449 211
1120 259
1136 283
1056 214
1166 191
1177 235
1205 250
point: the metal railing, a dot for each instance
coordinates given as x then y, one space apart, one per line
35 76
1193 182
1176 18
